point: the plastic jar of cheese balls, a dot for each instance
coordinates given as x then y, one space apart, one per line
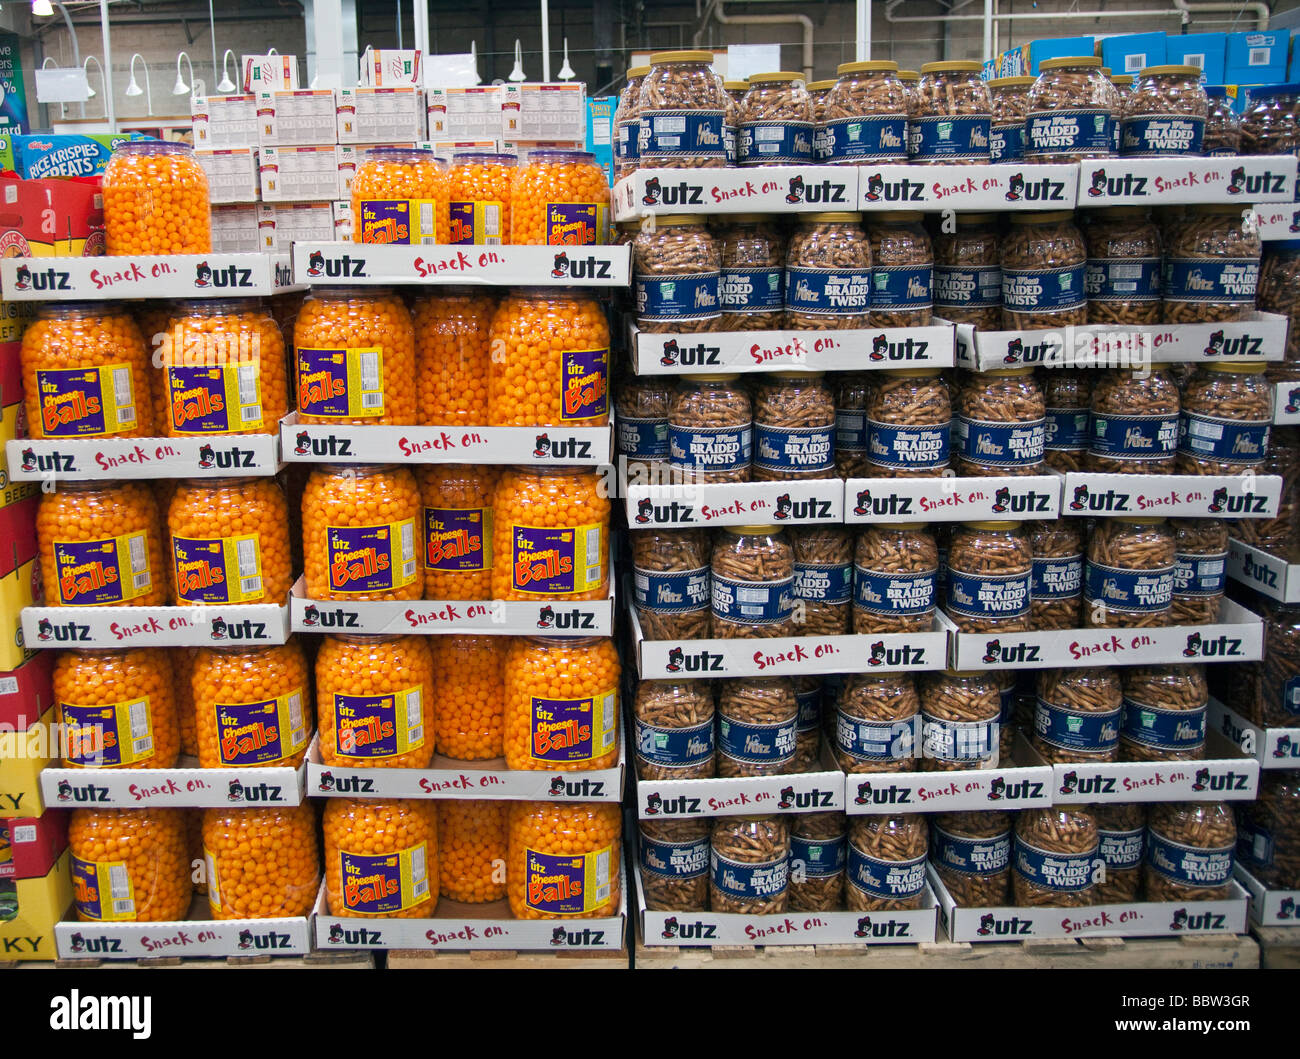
456 533
399 195
251 707
381 858
261 863
156 200
452 357
479 192
116 709
469 680
374 701
129 865
472 850
562 861
559 198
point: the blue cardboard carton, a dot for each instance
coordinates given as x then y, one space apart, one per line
1256 58
600 131
37 157
1127 53
1037 50
1206 50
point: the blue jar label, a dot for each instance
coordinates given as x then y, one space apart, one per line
671 135
1043 290
1222 440
818 858
1160 729
1057 578
1148 135
959 742
850 430
677 299
627 140
907 447
902 286
873 741
1204 576
757 744
810 450
1130 591
1007 704
1122 849
1124 437
1255 844
1078 131
730 139
970 856
1000 444
757 290
1066 429
1230 281
1007 142
1083 731
675 860
949 139
888 880
967 288
1122 279
823 582
775 142
752 602
988 595
810 708
744 880
671 591
1062 872
888 594
710 449
828 292
1189 865
879 138
642 439
674 747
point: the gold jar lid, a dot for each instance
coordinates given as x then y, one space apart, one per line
960 66
820 86
671 219
993 524
757 528
914 373
779 77
1119 213
660 57
1003 373
713 376
1246 367
870 66
901 525
1170 71
898 217
735 86
976 218
637 71
1064 62
1050 217
908 75
1018 81
837 217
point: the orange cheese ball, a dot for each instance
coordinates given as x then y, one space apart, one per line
229 541
117 709
370 846
548 875
374 701
452 357
251 707
261 863
393 183
100 544
355 351
472 837
485 179
457 530
194 850
129 865
543 185
533 512
86 374
469 675
222 370
561 704
182 659
156 200
153 319
550 361
361 530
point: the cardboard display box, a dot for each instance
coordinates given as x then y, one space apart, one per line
30 845
29 909
51 218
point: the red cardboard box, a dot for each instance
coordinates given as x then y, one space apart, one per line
27 692
51 218
29 845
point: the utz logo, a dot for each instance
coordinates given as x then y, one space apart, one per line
78 943
1002 499
558 936
1098 183
644 510
218 629
1202 781
795 194
879 347
670 927
311 615
1179 921
326 781
653 803
207 456
675 658
787 798
65 790
1238 183
1070 781
877 656
561 267
1015 350
1193 647
29 460
44 630
652 192
863 929
557 786
302 443
236 792
671 351
336 933
875 185
1292 406
1016 189
992 651
1283 748
986 925
782 506
316 264
1295 222
997 789
23 279
1215 346
864 794
542 446
1286 910
864 502
545 617
1220 500
202 274
1080 501
245 939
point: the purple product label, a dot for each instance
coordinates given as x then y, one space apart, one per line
873 740
1057 578
675 860
545 559
677 299
1255 844
627 138
752 602
1122 849
1132 591
201 574
902 287
828 291
1044 290
959 741
365 726
671 592
891 880
908 447
949 139
89 573
90 900
249 732
967 288
1176 730
1066 429
565 729
586 384
988 595
362 558
323 382
757 290
642 439
92 735
969 856
674 747
71 402
794 449
1223 440
574 223
1083 731
850 430
888 594
757 744
1077 131
1062 872
880 138
559 884
1007 142
454 539
1189 865
1148 135
710 449
1227 281
1134 437
810 708
823 582
1000 444
197 400
667 135
775 142
740 879
1127 279
818 858
1204 576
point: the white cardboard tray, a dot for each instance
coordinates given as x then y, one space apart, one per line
757 189
1273 748
158 276
733 504
1234 496
1267 574
1176 181
113 459
317 443
534 266
951 499
208 625
173 788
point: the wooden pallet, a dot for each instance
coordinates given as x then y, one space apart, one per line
1279 947
508 960
312 961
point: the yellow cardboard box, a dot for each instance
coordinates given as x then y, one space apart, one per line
17 590
22 756
29 908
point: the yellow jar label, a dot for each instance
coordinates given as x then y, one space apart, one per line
218 569
214 884
103 572
570 730
263 732
371 558
86 402
557 560
102 736
477 223
379 726
568 885
408 222
103 890
384 884
345 383
214 399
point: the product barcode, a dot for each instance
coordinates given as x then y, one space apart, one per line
138 553
123 908
1201 429
119 883
126 414
1134 63
251 413
122 387
246 374
143 746
1258 57
26 833
751 595
1212 567
408 543
602 877
139 719
592 549
372 400
426 222
419 877
250 585
369 364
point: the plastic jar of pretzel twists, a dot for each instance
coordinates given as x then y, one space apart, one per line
452 357
733 94
968 272
749 864
776 121
909 416
641 422
971 854
261 863
472 850
456 531
1068 397
875 723
1279 280
86 373
673 729
681 112
1222 124
671 583
1121 829
852 392
1191 850
1056 857
559 198
100 545
381 857
1211 269
960 714
1128 579
563 861
752 578
1164 713
818 855
469 721
1044 265
865 118
251 707
808 731
1268 832
752 287
355 351
156 200
902 277
374 701
360 526
479 195
1056 585
550 535
794 427
1069 117
999 424
1077 715
895 570
675 864
1010 109
399 195
953 113
561 704
116 709
1134 423
1227 413
1200 570
1269 124
678 265
1123 273
886 863
627 125
1279 535
823 579
129 865
990 577
758 719
1165 113
550 360
711 429
828 273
